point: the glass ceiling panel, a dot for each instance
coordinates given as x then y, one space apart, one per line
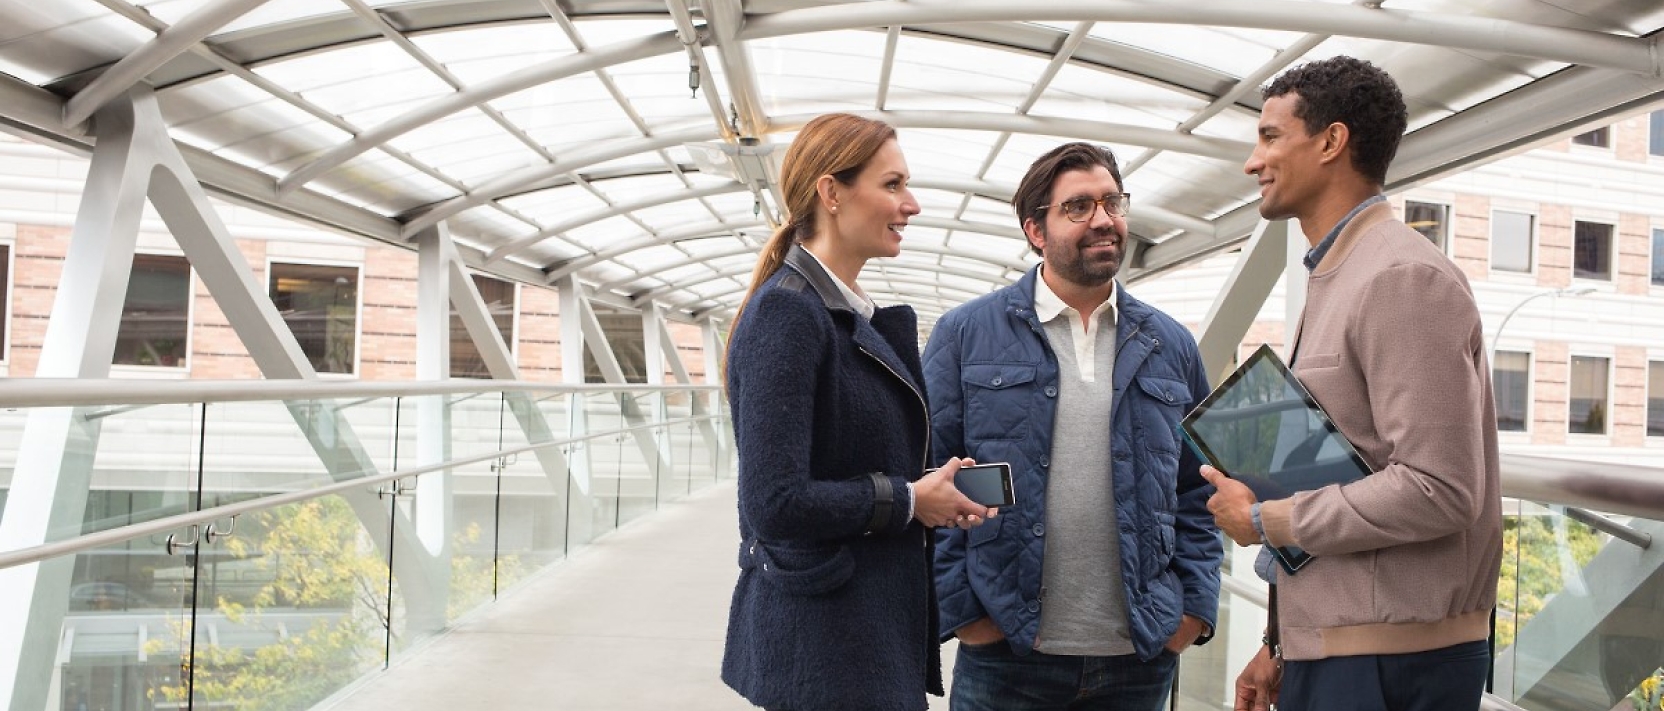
229 114
602 234
943 153
561 203
677 214
983 209
477 55
384 83
172 11
1082 93
842 67
631 189
1233 50
468 146
47 41
983 243
932 74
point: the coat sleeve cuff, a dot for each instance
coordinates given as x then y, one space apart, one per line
1278 519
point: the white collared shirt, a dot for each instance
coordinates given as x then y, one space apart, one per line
1048 306
857 299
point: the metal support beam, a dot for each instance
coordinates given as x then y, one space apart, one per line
435 493
600 348
1456 31
521 243
458 291
1241 297
172 42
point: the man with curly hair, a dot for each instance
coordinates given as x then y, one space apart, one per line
1393 612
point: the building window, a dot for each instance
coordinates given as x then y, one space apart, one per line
1655 140
1511 383
1512 237
499 301
1658 257
156 318
6 294
1430 219
1598 138
320 304
1588 395
1592 251
1655 399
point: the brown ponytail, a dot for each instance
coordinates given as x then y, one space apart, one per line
838 145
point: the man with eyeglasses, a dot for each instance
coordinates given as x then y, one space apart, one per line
1082 595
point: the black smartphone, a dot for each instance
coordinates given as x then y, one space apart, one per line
986 484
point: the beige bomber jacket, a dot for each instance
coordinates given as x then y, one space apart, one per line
1390 344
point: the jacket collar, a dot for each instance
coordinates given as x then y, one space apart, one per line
1347 240
805 264
1019 299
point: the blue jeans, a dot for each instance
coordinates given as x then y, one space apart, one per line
990 677
1435 680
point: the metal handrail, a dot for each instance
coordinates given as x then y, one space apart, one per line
89 541
84 392
1598 486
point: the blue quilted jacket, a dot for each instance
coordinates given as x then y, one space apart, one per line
993 383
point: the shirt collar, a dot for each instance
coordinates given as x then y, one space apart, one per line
1048 305
858 300
1315 257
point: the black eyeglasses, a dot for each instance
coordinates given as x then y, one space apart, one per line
1080 209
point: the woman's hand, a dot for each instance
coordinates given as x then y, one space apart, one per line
938 503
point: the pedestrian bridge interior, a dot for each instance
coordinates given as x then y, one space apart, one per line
309 542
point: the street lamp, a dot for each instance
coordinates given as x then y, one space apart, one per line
1497 336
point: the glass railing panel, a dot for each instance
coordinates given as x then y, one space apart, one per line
1208 672
484 426
126 632
128 464
645 460
532 513
300 606
263 447
602 412
1586 628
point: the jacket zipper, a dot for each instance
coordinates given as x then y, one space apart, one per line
924 462
924 540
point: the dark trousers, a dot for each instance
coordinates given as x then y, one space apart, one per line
1448 679
991 677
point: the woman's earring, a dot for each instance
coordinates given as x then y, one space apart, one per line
834 209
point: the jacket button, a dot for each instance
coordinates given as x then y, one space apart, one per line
1045 461
1033 605
996 381
1039 529
1051 391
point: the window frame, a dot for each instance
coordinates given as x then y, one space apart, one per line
184 368
358 307
1445 239
1611 279
1646 411
1655 133
1611 386
1606 149
1530 389
6 333
1532 238
1655 240
513 340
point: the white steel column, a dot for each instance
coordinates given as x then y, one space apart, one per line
434 505
595 338
460 292
580 524
1294 285
673 358
53 473
1242 296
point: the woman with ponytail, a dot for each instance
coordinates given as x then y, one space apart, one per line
835 606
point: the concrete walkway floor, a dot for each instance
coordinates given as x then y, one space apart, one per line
633 622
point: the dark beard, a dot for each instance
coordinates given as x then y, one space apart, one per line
1079 271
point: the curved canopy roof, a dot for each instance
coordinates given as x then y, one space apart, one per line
632 145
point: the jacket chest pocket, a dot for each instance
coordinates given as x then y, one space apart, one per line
998 397
1164 403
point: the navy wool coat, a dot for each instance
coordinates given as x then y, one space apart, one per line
835 606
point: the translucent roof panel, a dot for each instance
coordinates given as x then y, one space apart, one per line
505 121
